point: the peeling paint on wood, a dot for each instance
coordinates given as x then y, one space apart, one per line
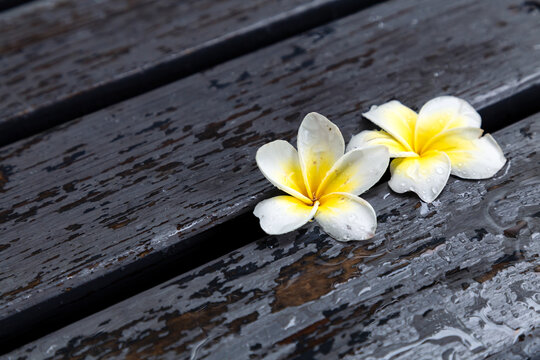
471 294
149 173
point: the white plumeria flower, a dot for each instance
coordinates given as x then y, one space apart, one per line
443 138
321 181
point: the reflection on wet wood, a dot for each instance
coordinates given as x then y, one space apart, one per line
442 279
142 177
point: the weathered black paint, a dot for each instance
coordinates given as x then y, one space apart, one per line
424 287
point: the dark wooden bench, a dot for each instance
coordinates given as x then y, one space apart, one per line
128 180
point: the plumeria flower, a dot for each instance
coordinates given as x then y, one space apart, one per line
443 138
321 181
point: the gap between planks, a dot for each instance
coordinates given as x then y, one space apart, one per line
208 246
9 4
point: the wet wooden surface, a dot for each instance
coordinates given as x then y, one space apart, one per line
139 179
65 57
54 49
456 279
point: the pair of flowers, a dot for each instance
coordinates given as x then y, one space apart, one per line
324 182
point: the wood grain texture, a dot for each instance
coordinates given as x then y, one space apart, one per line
109 194
62 59
55 49
454 279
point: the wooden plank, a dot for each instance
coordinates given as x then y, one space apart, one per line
453 279
62 59
138 180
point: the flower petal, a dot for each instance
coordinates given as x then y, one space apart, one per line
346 217
472 156
481 161
425 175
397 119
320 145
279 163
454 139
282 214
375 137
356 171
441 114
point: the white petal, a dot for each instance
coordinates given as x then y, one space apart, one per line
454 139
320 145
472 156
426 175
482 161
396 119
440 114
374 137
279 163
282 214
356 171
346 217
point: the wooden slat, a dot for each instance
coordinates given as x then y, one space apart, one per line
454 279
111 193
63 58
